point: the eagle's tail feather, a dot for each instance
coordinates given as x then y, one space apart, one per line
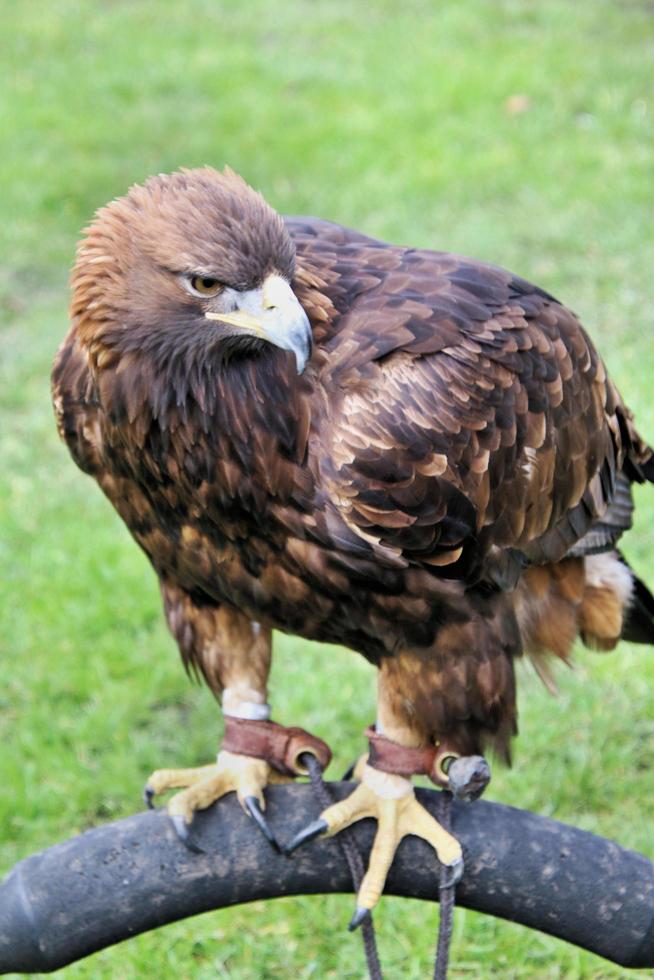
597 597
639 620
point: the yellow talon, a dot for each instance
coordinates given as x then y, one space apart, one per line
391 799
247 776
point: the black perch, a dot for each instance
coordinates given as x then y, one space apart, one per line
133 875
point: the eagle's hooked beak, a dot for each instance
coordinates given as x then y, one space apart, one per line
273 313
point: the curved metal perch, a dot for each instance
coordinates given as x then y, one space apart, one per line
133 875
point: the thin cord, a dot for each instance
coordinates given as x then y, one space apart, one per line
355 863
446 898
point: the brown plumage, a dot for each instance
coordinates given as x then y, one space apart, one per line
426 492
410 453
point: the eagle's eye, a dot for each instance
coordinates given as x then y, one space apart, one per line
205 285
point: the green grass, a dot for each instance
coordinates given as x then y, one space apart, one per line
391 117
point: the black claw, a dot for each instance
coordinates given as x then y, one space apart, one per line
313 829
349 772
148 796
253 808
182 831
359 917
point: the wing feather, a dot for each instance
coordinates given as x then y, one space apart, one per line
469 411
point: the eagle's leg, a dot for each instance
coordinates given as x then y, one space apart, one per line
386 793
355 770
234 655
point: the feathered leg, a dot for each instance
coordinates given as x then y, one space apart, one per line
233 654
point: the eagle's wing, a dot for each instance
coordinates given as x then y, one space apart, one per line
471 420
76 407
80 421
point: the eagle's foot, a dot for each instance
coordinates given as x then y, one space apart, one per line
355 771
243 774
391 800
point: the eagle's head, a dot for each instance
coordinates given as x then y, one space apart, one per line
190 259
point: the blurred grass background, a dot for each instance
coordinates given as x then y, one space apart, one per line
514 131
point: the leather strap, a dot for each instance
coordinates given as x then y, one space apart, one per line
427 760
280 747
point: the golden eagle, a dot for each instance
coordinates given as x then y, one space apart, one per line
410 453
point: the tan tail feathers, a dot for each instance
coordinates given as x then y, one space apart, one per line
588 597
